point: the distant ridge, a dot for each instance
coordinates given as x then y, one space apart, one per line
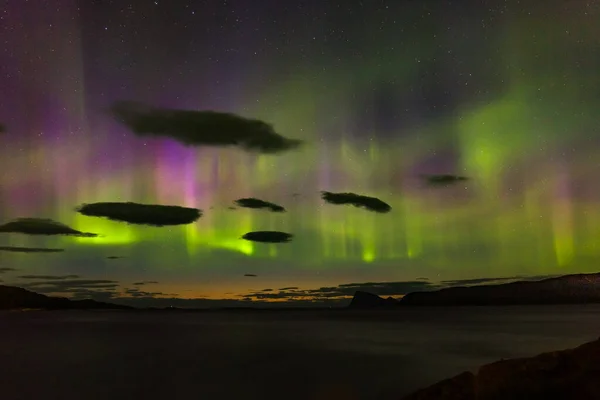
568 289
17 298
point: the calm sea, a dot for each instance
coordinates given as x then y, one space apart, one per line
269 355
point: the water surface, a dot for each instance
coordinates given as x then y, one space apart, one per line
269 355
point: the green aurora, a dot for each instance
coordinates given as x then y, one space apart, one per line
515 109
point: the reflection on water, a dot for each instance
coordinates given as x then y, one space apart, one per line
291 355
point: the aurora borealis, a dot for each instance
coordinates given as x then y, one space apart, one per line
505 93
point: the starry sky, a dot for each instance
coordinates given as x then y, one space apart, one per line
382 92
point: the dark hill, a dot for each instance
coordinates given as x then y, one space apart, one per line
14 297
568 289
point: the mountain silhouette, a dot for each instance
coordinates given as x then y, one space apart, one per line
14 297
568 289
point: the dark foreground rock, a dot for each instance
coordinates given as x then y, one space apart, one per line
567 374
17 298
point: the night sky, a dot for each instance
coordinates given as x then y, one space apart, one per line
505 93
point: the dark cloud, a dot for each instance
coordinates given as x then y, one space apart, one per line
165 301
41 226
476 281
6 269
357 200
2 128
29 249
142 214
202 128
70 285
231 208
49 277
443 180
140 283
250 275
289 288
98 295
251 202
422 278
146 294
271 296
267 290
343 291
115 257
385 288
268 236
136 292
485 281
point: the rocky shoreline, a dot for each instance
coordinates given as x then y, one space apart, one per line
566 374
